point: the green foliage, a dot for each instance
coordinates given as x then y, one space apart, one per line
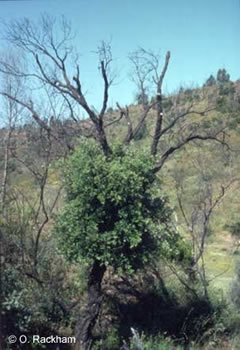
211 81
114 212
112 340
223 76
33 301
227 89
37 305
154 343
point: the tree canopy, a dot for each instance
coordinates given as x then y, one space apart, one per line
223 76
115 212
211 81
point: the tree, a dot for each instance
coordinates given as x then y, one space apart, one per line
223 76
114 216
200 190
33 293
49 58
36 295
211 81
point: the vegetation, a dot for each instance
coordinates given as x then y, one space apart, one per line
122 220
114 213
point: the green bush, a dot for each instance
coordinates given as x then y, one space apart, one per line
115 212
153 343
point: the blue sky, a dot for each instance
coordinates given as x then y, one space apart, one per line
202 36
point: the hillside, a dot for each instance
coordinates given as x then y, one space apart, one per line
199 180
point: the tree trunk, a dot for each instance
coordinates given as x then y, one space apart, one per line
158 127
89 316
101 136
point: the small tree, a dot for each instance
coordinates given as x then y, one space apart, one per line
223 76
211 81
114 216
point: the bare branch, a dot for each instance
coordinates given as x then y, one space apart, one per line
162 75
105 57
115 120
188 139
182 115
158 126
50 58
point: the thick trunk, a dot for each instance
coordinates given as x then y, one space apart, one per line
89 316
103 140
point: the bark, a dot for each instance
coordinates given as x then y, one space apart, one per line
158 127
89 316
102 139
